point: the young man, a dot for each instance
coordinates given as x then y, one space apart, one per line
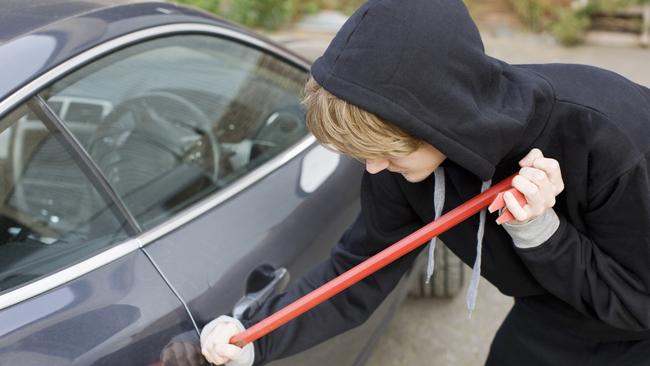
406 86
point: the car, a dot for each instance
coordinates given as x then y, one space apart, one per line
156 172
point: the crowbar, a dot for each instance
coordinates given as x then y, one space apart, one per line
492 197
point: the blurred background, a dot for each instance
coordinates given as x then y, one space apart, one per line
570 22
613 34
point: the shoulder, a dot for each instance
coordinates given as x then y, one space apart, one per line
600 118
594 88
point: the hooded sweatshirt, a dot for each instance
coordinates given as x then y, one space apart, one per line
421 65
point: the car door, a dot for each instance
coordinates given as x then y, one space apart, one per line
74 287
201 133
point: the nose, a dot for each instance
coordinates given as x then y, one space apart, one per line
376 165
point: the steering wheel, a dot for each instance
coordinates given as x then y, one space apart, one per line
283 125
154 133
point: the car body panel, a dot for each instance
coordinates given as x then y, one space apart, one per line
295 230
287 213
122 313
22 16
31 54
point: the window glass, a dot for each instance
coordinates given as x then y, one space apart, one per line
51 215
172 120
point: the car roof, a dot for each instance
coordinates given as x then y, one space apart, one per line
38 35
18 17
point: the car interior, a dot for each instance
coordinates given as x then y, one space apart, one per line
162 146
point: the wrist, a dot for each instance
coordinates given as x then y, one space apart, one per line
535 231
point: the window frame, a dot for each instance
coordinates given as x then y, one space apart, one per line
30 94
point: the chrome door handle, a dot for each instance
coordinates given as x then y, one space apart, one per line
263 282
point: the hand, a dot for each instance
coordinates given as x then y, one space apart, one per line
215 344
540 181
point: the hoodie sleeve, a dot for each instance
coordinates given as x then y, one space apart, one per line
385 218
604 270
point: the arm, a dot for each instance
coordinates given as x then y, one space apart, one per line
385 218
603 271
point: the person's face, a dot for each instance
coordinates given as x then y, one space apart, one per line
415 167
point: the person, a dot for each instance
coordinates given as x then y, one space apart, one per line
406 87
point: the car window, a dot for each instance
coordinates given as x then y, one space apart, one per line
171 120
51 215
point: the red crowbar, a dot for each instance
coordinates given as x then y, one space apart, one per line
499 203
492 197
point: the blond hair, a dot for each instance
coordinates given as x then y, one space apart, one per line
351 130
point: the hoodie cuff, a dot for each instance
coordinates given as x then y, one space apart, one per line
535 232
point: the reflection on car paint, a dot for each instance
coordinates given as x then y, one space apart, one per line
317 166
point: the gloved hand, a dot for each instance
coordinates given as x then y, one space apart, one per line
216 348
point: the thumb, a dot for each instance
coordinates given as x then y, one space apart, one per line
229 351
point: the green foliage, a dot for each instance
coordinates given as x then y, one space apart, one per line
533 13
566 24
307 7
208 5
570 27
313 6
349 6
608 6
268 14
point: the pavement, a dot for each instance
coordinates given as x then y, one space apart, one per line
439 331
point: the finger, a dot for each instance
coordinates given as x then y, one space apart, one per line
213 331
212 356
547 190
515 209
533 155
497 204
229 351
505 216
220 334
536 176
552 169
224 332
529 189
217 354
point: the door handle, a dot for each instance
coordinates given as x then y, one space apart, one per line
263 282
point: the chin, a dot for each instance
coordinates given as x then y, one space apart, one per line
417 177
413 178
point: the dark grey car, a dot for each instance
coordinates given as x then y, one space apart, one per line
155 172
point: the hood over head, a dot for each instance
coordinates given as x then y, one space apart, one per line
421 65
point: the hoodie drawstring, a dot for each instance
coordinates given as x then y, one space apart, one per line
476 271
438 203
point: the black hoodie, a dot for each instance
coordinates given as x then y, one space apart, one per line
420 64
